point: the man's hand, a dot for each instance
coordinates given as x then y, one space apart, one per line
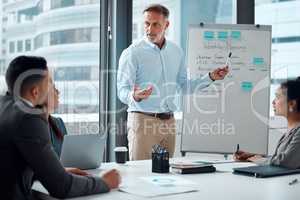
219 73
76 171
139 94
112 178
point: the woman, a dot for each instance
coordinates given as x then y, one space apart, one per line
57 128
287 104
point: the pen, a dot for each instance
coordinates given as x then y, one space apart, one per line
293 182
227 60
237 148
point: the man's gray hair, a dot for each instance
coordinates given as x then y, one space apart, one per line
158 8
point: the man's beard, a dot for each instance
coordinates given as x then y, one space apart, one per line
152 37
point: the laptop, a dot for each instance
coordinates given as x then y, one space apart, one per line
264 171
83 151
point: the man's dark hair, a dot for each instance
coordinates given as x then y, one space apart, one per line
20 65
158 8
292 87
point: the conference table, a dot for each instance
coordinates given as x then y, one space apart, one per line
221 185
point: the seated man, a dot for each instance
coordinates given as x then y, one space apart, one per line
25 146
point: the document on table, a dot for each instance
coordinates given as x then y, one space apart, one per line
152 186
214 161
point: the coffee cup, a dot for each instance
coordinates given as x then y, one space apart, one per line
121 154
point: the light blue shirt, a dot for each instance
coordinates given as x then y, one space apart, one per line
143 63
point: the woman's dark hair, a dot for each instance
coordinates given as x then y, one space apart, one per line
55 129
20 65
292 87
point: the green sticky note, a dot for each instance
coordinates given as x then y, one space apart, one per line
222 35
258 61
246 86
209 35
236 35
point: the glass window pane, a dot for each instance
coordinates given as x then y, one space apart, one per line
68 3
11 47
20 46
28 45
69 39
285 20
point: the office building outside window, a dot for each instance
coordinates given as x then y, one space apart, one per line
66 33
28 45
285 20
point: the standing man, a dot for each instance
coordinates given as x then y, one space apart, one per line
150 73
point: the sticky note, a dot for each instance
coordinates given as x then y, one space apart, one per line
236 35
222 35
209 35
258 61
246 86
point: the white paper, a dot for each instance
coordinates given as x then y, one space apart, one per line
214 161
153 186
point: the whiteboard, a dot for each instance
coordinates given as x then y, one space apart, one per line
235 110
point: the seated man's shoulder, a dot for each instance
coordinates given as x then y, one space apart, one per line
22 113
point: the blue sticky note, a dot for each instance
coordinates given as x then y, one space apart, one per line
222 35
246 86
209 35
258 61
236 35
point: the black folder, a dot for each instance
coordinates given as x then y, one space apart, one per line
264 171
193 169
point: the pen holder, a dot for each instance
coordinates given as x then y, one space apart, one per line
160 162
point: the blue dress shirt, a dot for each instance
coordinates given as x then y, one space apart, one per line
143 63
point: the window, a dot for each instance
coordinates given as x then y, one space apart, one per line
38 42
20 46
11 47
68 3
61 3
75 68
2 68
40 6
183 14
77 74
134 31
28 45
286 39
285 21
74 36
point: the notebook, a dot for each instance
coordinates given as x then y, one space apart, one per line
191 168
264 171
